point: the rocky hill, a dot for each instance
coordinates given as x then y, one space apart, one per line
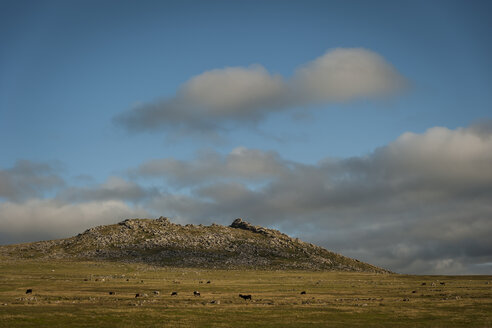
161 242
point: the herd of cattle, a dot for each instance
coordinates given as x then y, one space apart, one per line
156 292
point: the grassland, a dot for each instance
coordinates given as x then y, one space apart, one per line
76 294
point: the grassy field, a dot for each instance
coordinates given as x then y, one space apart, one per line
76 294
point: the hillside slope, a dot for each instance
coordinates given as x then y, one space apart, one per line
161 242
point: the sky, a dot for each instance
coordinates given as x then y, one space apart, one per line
363 127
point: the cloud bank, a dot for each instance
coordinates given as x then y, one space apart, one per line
420 204
27 179
215 99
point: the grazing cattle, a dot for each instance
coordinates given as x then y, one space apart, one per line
112 293
196 293
138 295
29 291
442 283
303 292
414 291
174 294
245 297
156 292
208 282
423 284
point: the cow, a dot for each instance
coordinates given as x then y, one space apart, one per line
442 283
29 291
112 293
423 284
208 282
196 293
156 292
245 297
303 292
174 294
138 295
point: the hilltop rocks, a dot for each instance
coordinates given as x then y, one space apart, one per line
240 224
161 242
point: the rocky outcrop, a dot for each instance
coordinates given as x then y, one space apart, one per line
161 242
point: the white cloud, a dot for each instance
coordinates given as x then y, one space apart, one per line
115 188
217 98
233 91
240 164
345 74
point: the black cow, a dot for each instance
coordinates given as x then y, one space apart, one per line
29 291
138 295
442 283
303 292
245 297
174 294
112 293
196 293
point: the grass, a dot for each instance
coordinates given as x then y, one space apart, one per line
76 294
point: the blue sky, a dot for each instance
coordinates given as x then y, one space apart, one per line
70 70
